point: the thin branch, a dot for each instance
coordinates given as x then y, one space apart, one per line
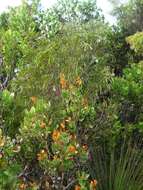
70 184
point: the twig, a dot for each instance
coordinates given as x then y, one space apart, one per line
70 184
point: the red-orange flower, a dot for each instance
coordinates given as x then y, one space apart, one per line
17 148
77 187
93 184
85 147
68 120
22 186
32 184
33 99
78 81
85 102
62 125
73 136
56 135
63 81
72 149
43 125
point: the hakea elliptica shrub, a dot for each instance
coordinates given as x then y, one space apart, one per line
48 147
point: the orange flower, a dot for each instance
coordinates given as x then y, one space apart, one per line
85 147
78 81
43 125
63 82
42 155
93 184
68 120
33 99
22 186
32 184
62 125
72 149
56 135
85 102
16 149
60 142
77 187
73 136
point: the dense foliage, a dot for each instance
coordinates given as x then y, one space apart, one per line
71 97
